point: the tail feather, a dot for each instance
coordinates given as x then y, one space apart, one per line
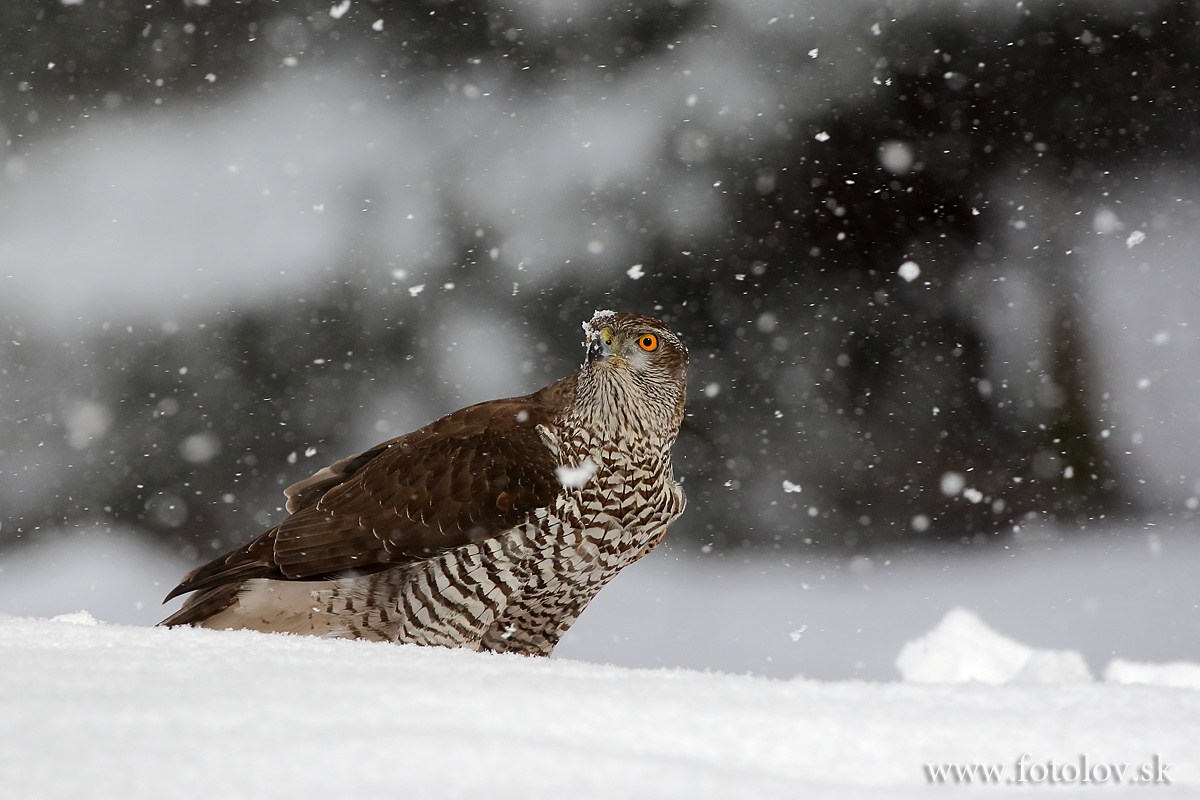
250 561
215 575
203 605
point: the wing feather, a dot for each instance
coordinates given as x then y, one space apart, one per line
467 477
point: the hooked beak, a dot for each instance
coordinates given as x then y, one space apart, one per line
599 346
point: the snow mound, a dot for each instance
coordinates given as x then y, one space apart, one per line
962 648
1175 674
76 618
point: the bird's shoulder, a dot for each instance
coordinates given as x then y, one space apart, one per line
482 429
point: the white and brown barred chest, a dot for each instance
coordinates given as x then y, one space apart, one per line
522 590
590 533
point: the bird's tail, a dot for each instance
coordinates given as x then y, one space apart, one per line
204 604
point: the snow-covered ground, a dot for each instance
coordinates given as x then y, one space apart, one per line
1037 650
90 710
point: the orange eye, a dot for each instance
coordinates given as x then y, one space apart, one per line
648 342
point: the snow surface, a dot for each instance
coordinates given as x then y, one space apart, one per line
96 710
91 709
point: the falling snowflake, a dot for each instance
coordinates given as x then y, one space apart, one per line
576 477
909 271
953 483
1105 220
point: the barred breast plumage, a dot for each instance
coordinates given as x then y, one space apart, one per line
491 528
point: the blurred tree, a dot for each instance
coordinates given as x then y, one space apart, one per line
771 233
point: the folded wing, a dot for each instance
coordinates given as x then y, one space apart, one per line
467 477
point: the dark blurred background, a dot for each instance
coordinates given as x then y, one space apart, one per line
934 260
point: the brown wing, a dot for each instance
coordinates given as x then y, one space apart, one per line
466 477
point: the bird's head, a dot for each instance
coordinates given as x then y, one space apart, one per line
638 364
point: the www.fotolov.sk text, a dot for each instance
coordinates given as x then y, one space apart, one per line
1024 770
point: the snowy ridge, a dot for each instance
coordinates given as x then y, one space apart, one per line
102 710
962 648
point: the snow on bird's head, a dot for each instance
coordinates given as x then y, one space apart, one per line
591 327
597 316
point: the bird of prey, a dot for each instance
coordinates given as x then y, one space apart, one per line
489 529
